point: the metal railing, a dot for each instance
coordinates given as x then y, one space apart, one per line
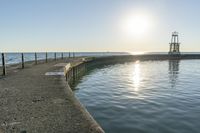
46 59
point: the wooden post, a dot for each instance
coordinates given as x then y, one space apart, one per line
3 64
22 61
46 57
62 56
55 56
69 55
35 58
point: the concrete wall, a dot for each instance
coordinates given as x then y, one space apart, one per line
129 58
72 73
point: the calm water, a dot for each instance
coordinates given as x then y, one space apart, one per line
13 58
144 97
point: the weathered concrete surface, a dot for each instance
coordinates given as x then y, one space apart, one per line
35 103
108 60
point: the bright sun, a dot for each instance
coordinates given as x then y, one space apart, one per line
137 24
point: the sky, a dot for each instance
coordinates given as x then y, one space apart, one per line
98 25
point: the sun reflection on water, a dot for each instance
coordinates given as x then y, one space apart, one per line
136 76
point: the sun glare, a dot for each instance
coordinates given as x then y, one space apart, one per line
136 76
137 24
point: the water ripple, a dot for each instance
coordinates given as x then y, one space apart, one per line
144 97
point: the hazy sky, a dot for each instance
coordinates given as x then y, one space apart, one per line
97 25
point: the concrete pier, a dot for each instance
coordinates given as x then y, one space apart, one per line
34 101
130 58
38 97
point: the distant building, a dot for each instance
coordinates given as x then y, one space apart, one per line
174 44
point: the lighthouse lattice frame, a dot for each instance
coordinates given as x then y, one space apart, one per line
174 44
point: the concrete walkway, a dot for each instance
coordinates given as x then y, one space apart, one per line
32 102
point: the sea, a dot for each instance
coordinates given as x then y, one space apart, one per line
14 58
139 96
144 96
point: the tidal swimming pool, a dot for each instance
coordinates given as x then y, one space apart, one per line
144 96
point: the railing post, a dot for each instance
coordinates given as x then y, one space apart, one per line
3 64
35 58
62 56
46 57
22 60
69 54
55 56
